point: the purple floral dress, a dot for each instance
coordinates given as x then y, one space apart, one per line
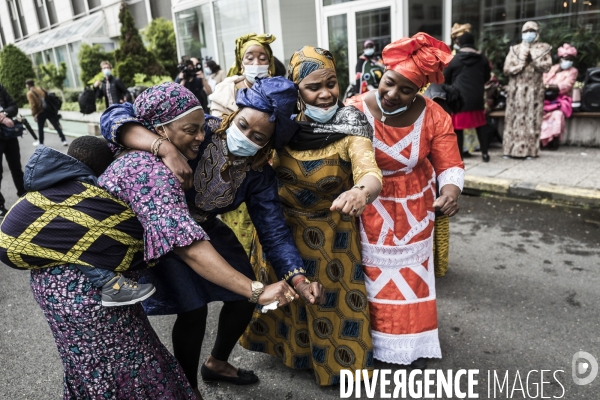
113 352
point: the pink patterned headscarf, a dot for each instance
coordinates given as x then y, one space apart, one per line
567 50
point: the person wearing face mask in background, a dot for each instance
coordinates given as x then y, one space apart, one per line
457 31
368 68
416 146
111 88
525 65
253 59
327 176
559 82
214 74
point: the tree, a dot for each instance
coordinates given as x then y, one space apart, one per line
15 69
53 77
90 58
132 57
160 35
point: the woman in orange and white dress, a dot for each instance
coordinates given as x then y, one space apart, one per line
415 147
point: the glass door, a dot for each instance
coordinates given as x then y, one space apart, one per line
348 25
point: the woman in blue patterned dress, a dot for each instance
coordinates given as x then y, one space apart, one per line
230 168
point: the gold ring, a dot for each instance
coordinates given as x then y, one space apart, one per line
289 297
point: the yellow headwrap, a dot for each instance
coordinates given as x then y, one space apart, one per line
307 60
458 29
244 42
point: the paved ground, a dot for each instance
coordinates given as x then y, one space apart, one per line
521 294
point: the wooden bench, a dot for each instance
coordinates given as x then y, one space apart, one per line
583 128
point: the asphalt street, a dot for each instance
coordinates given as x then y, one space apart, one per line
521 294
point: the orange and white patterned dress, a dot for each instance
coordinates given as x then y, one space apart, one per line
397 232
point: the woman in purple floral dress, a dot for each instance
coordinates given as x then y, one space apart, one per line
113 352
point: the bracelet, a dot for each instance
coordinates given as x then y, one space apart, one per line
156 145
361 187
296 282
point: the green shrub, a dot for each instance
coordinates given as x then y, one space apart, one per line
90 58
15 69
131 56
54 78
143 80
160 36
72 95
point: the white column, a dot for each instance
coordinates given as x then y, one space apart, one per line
447 22
148 11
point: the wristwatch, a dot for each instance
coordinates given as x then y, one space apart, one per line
361 187
257 289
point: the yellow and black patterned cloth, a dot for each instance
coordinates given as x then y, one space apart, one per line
335 335
71 223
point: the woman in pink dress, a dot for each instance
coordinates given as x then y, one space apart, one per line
415 148
561 79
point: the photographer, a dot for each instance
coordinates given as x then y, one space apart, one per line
191 81
9 147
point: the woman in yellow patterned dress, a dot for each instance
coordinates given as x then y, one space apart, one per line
327 176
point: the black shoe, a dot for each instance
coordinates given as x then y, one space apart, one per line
3 212
485 157
244 377
419 363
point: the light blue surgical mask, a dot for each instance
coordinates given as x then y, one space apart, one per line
528 37
369 51
319 114
238 144
390 114
566 64
106 71
456 47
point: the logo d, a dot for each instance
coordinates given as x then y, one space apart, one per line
580 367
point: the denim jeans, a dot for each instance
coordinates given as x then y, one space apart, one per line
97 276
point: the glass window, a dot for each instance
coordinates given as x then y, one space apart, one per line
63 56
161 8
195 32
425 16
78 7
48 56
332 2
94 3
40 9
467 11
51 12
74 50
337 28
21 18
13 19
234 18
374 25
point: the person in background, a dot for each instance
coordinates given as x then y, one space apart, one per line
280 69
188 79
369 69
253 59
457 31
35 96
415 148
200 75
10 148
525 65
111 88
559 81
214 74
468 72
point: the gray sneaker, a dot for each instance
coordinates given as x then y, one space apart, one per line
120 291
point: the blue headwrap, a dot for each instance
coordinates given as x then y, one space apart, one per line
277 97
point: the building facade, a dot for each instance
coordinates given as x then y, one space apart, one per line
52 31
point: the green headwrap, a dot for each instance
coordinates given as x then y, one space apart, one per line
244 42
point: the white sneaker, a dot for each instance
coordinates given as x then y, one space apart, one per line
64 142
36 143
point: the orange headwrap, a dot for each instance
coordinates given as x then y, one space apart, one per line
420 58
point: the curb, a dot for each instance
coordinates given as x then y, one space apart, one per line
546 192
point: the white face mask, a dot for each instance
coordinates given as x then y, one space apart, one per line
456 47
369 51
238 144
251 72
528 37
566 64
207 71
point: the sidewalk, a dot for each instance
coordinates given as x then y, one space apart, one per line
570 176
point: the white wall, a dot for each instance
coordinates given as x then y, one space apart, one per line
29 10
64 11
6 23
299 26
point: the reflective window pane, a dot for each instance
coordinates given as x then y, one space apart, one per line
337 28
63 56
195 32
332 2
425 16
374 25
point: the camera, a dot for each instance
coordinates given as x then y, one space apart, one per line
187 73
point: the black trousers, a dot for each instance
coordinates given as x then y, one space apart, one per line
482 135
41 120
10 149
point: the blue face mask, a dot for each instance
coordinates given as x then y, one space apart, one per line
106 71
369 51
319 114
238 144
566 64
389 114
528 37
